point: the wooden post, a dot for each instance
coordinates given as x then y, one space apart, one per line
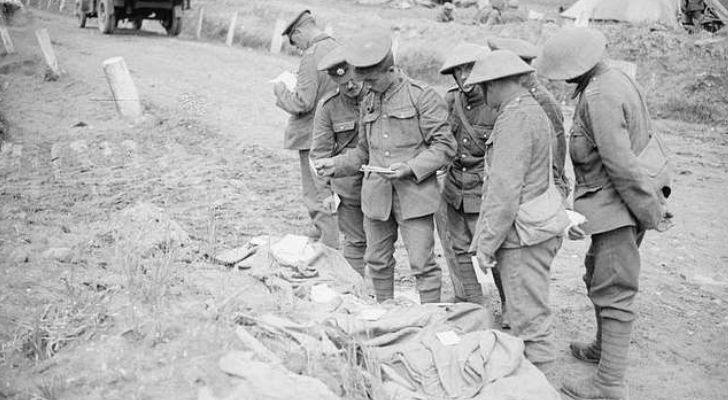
231 30
395 45
122 87
7 40
44 40
48 5
62 6
198 32
277 40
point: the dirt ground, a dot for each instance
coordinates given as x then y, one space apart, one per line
96 305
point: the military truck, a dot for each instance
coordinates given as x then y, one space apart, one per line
111 12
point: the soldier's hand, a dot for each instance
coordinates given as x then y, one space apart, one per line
485 261
324 166
576 233
401 170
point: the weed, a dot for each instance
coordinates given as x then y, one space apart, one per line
51 388
78 315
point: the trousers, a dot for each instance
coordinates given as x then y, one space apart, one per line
419 240
612 272
351 225
314 193
525 278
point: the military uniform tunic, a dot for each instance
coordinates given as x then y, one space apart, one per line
336 132
612 125
311 86
518 170
407 123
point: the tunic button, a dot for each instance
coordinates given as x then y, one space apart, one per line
462 156
464 169
385 115
468 107
386 153
465 140
385 135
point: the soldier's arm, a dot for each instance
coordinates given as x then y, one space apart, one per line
512 153
436 130
609 127
303 98
350 162
322 145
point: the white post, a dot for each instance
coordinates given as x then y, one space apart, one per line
48 5
395 45
231 30
7 41
122 87
62 6
277 40
198 32
44 40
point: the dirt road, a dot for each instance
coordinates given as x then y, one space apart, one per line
207 154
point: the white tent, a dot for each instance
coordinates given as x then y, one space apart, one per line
635 11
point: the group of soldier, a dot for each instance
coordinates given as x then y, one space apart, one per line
392 150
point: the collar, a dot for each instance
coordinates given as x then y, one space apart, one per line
588 77
514 98
399 80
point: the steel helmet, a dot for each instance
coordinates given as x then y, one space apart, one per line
496 65
526 50
464 53
570 53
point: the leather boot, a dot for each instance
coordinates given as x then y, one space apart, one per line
589 352
608 383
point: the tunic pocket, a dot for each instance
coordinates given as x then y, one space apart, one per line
581 146
402 128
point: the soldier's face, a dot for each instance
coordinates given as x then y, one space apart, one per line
461 75
377 80
350 87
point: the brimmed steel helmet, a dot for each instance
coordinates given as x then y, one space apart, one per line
526 50
463 54
570 53
496 65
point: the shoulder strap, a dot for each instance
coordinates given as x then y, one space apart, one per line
466 124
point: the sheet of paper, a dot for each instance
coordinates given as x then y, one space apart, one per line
288 78
372 168
448 338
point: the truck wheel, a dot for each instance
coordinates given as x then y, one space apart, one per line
136 24
80 14
107 19
173 22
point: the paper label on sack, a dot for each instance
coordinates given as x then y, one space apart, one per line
371 314
575 219
323 294
448 338
288 78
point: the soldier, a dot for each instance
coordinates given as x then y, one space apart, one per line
405 138
336 132
445 14
311 85
528 52
471 121
518 158
611 125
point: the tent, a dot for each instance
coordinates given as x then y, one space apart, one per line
635 11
